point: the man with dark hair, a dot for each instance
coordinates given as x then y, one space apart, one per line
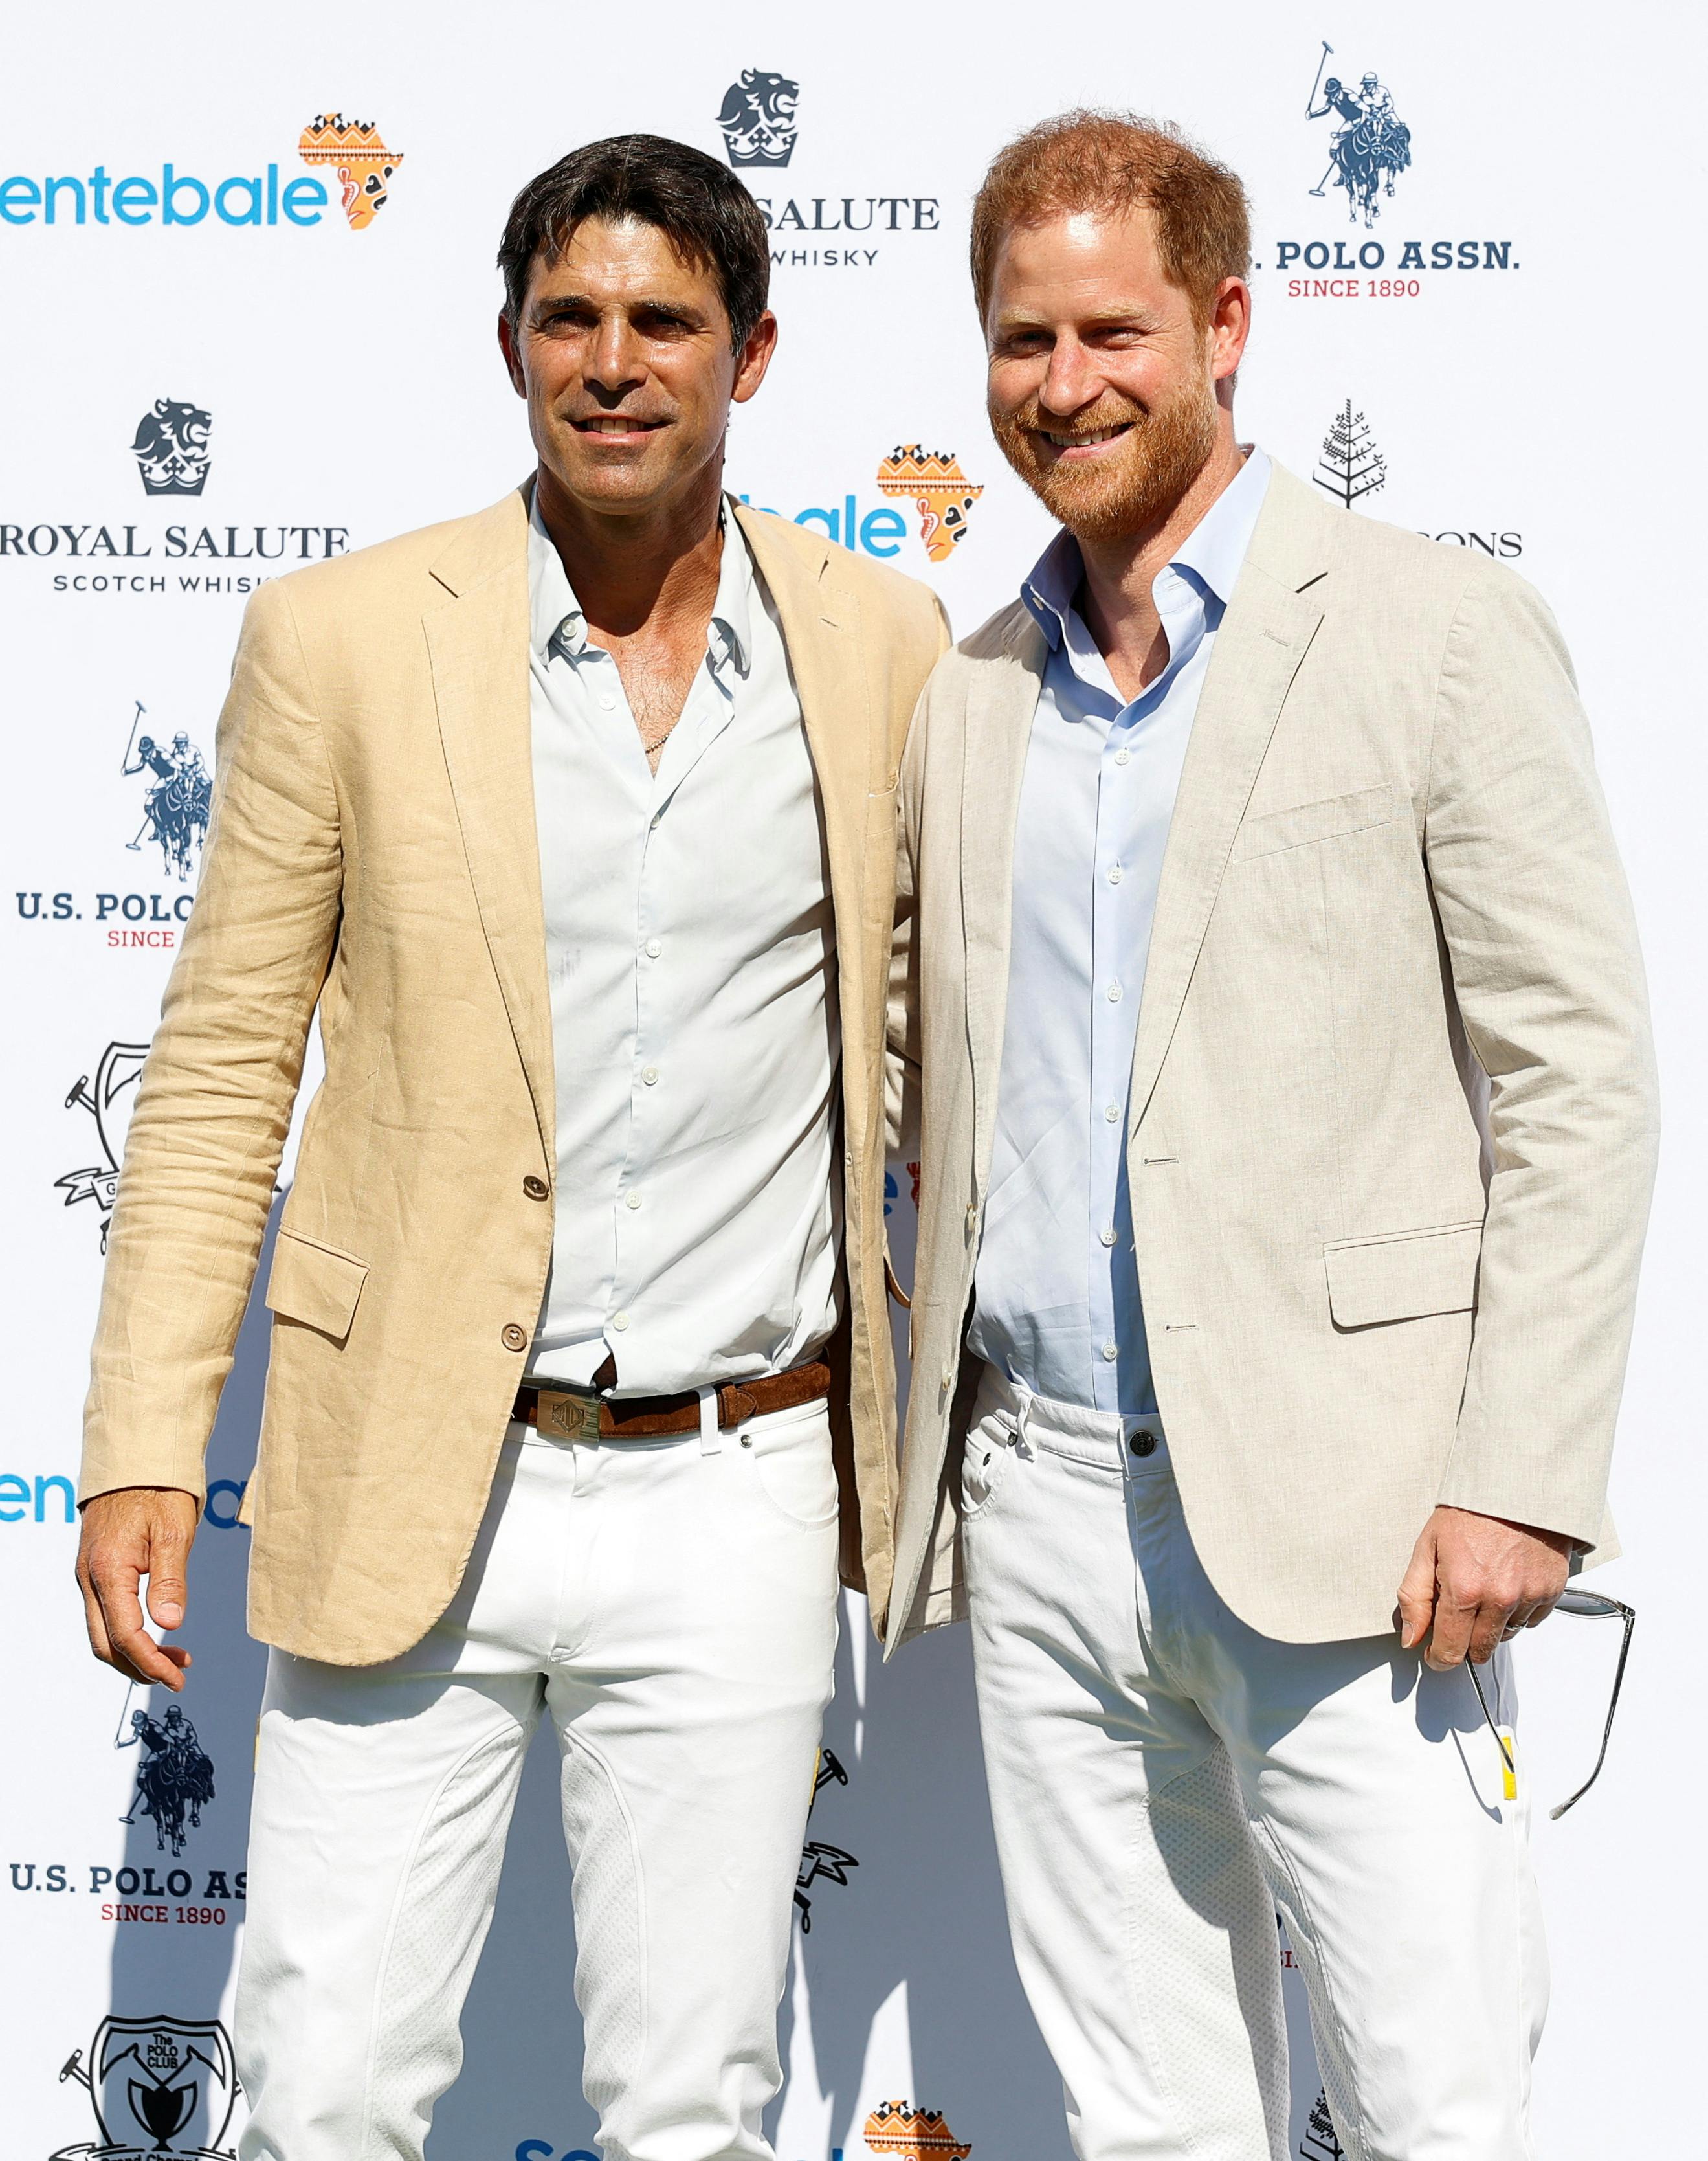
1288 1130
574 820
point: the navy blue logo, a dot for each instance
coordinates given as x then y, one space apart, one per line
108 1099
158 2087
758 118
174 1776
1370 145
171 448
178 796
1350 466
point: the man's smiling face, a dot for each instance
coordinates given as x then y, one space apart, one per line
622 350
1102 381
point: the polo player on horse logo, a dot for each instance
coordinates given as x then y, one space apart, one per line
1369 149
177 808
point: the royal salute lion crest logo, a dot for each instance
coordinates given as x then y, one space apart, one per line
363 165
171 448
758 118
940 491
159 2087
913 2134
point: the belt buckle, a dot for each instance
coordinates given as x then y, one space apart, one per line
568 1417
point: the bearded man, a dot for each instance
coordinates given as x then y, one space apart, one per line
1288 1125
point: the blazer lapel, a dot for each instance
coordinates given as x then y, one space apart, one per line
996 732
477 640
1264 636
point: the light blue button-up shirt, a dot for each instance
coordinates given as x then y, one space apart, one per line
1056 1302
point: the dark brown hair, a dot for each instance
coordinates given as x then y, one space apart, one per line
1114 162
699 205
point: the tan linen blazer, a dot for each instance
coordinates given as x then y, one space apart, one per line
1393 1120
373 853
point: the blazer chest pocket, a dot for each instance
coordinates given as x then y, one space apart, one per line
1404 1275
1326 821
317 1285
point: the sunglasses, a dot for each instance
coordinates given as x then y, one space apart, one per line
1593 1606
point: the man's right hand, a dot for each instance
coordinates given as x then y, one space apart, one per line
137 1531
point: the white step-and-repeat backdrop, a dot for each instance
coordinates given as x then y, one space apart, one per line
213 370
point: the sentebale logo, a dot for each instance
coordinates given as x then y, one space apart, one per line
361 160
940 491
363 165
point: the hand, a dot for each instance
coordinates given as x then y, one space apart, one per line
137 1531
1474 1581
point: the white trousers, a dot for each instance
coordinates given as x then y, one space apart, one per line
1164 1781
672 1604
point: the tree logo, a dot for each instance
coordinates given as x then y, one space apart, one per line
1319 2142
1351 466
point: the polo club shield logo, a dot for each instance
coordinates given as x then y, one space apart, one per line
108 1099
158 2086
757 118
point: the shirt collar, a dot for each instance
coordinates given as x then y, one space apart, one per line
1213 551
556 625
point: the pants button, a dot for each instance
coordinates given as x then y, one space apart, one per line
1143 1444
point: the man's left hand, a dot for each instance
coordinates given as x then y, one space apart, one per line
1474 1581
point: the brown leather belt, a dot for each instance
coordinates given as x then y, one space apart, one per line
576 1414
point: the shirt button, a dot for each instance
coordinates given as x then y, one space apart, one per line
515 1336
608 705
1114 874
1113 994
1123 757
1112 1112
633 1201
535 1188
649 1075
1108 1237
653 949
1111 1351
620 1321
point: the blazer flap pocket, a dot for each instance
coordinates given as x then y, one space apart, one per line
315 1284
1402 1275
1321 822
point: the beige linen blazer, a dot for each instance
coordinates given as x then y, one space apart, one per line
1393 1119
373 853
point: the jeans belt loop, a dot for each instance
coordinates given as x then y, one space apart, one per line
711 1440
1022 1419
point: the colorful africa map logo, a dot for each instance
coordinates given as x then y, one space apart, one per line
359 155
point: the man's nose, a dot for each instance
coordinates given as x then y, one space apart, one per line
1072 381
614 361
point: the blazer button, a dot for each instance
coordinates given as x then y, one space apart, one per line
535 1188
515 1336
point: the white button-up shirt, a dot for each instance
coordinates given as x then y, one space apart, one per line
1056 1304
691 949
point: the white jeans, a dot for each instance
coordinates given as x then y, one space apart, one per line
672 1604
1164 1780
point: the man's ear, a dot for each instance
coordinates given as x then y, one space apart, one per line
753 359
512 361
